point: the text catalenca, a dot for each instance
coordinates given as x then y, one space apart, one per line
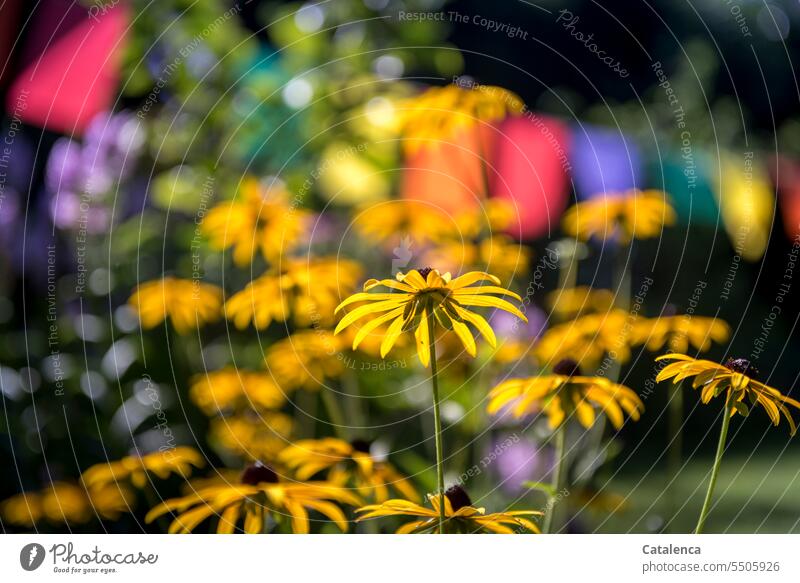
669 550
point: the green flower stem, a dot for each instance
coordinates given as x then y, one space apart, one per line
354 408
335 414
624 280
568 264
437 419
675 445
559 473
305 411
723 436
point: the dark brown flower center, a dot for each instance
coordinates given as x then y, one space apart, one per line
361 445
257 473
567 367
424 271
458 497
742 365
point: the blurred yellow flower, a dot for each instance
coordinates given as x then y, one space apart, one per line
67 503
564 393
305 360
305 289
624 216
511 350
22 509
347 464
423 297
252 436
567 303
746 198
736 379
490 218
499 255
679 332
440 112
259 219
259 496
188 303
111 501
230 388
460 515
408 222
177 460
587 339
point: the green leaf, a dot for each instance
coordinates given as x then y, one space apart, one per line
741 408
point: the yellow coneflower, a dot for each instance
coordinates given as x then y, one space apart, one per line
307 290
587 339
440 112
679 332
561 395
564 393
570 302
347 463
135 469
423 297
260 219
736 379
460 515
259 496
305 360
370 345
219 477
188 304
418 300
230 388
252 436
624 216
67 503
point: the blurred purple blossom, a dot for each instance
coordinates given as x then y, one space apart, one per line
520 461
510 327
65 212
324 229
78 175
603 161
